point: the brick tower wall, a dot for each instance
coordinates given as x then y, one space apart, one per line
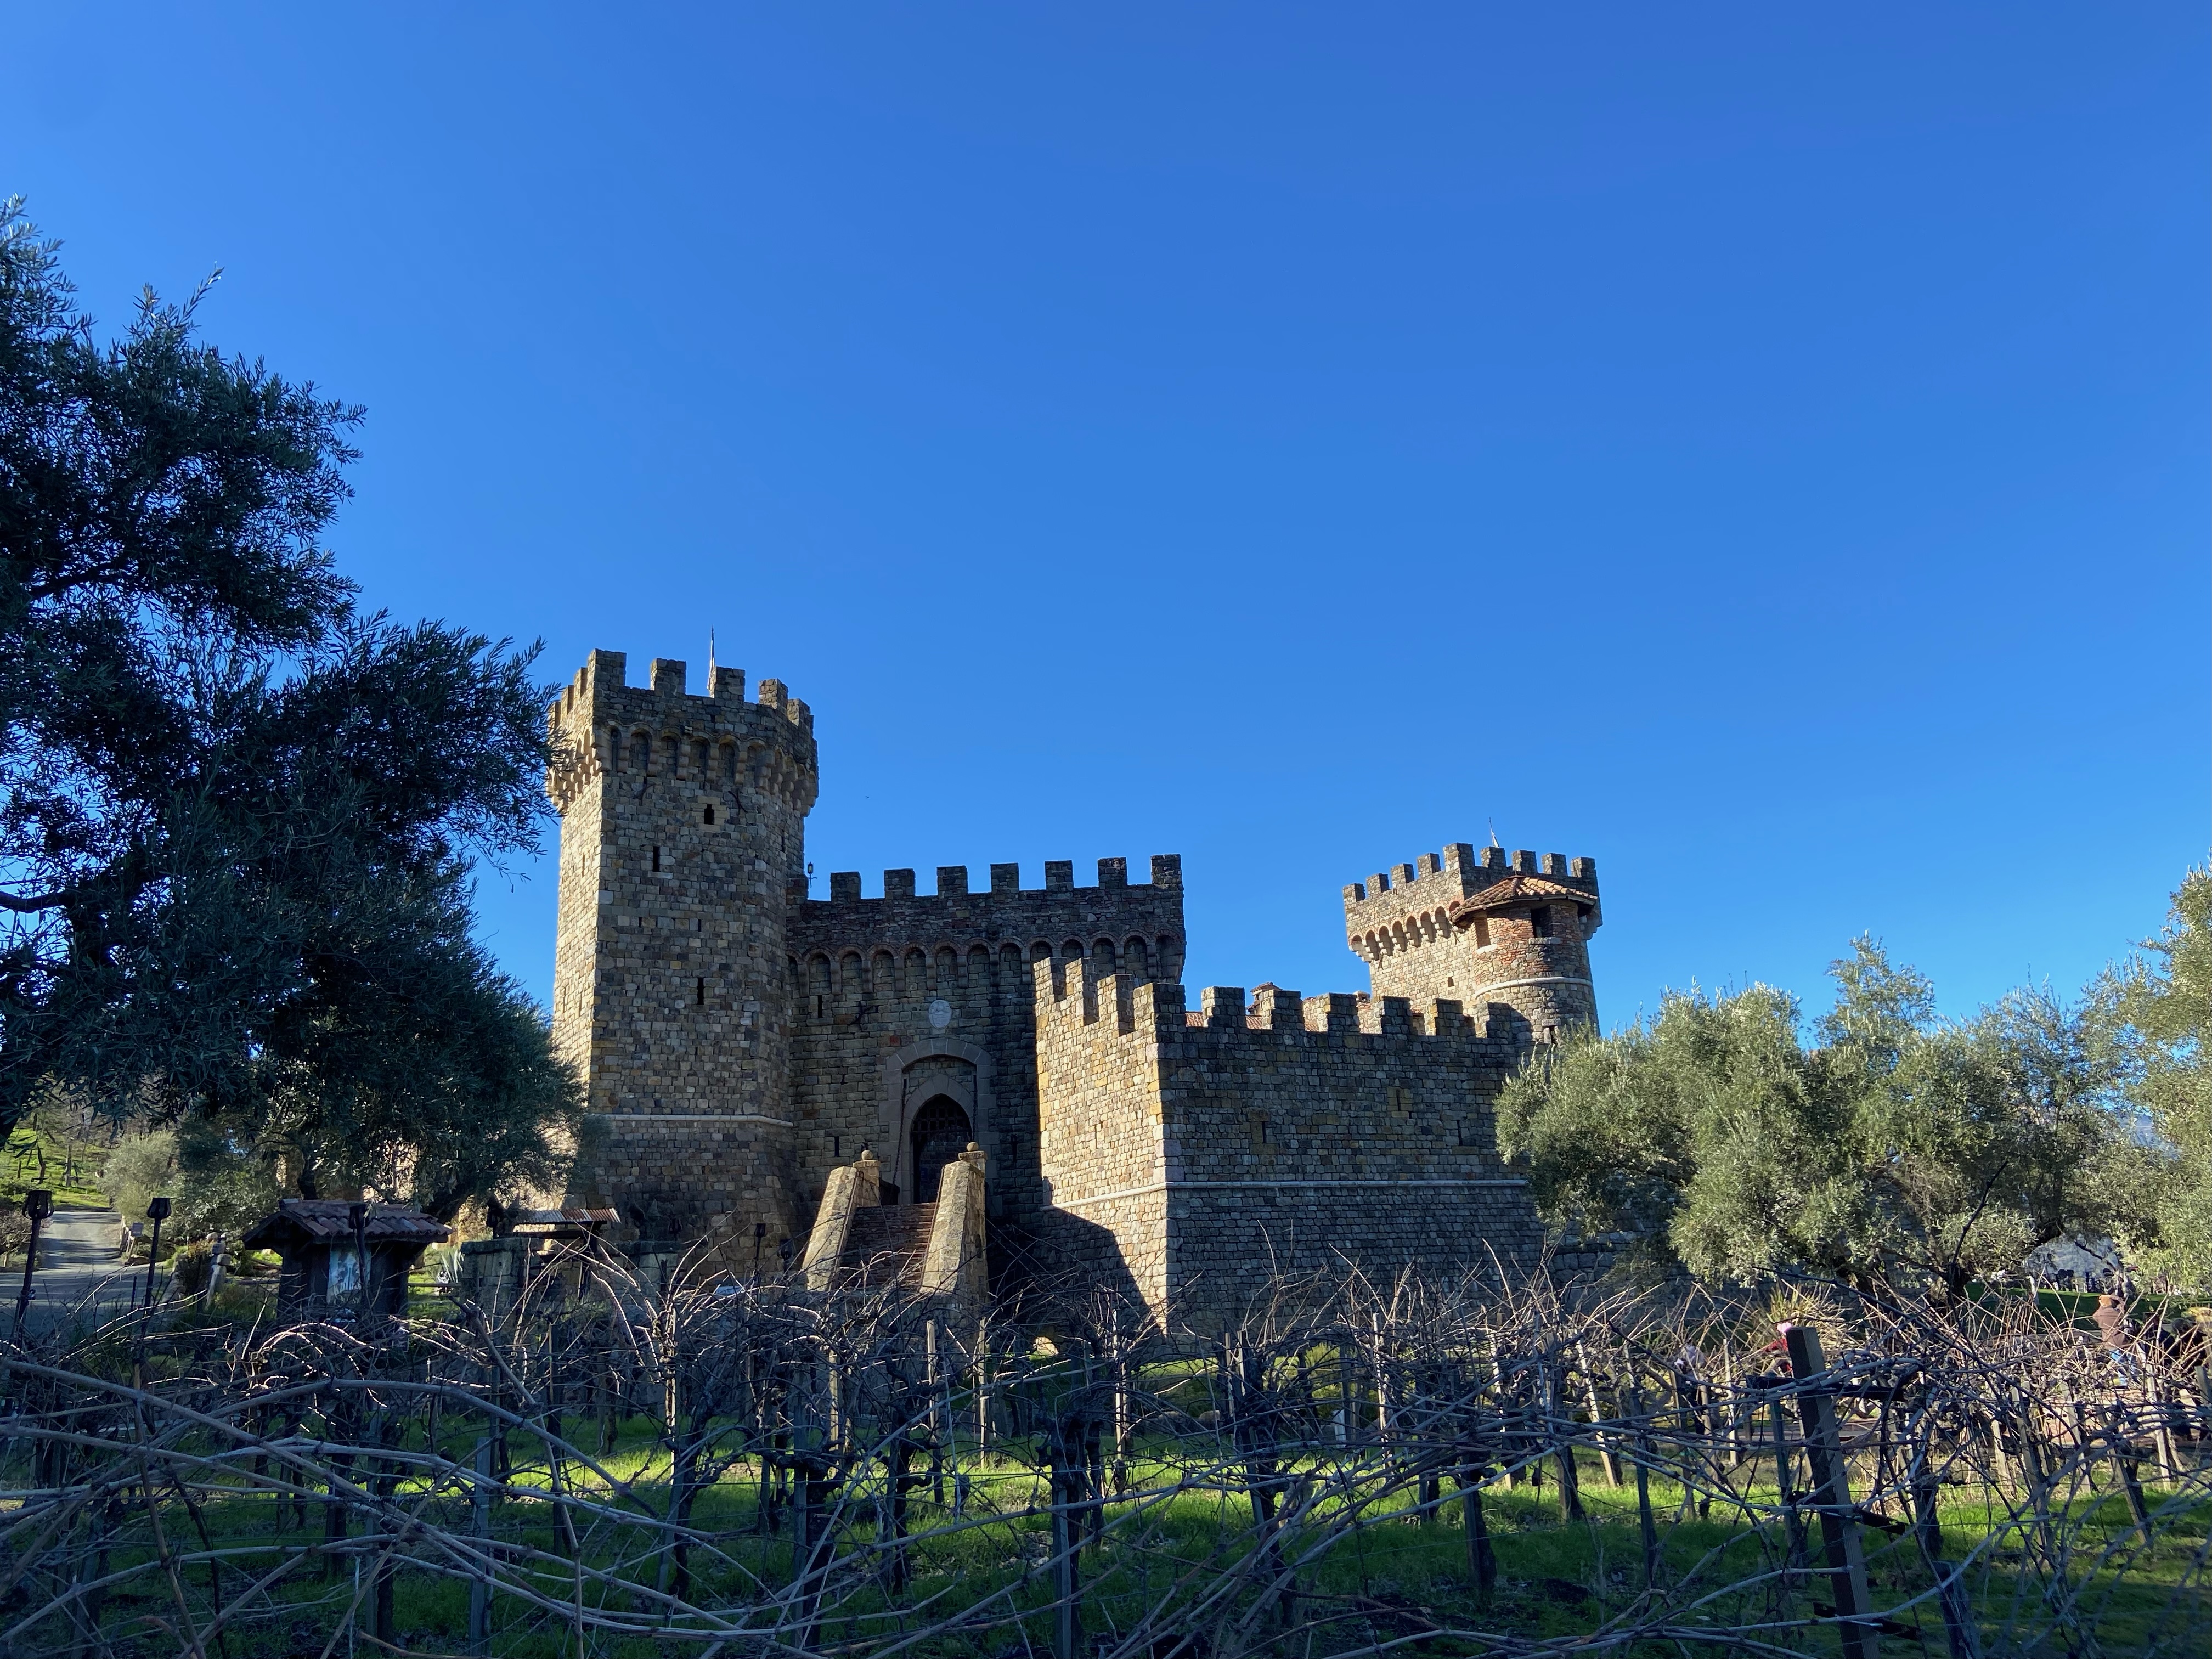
865 1053
1191 1155
683 823
1398 923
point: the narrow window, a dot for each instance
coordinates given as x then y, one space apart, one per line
836 1145
1540 921
702 992
710 814
1481 932
656 861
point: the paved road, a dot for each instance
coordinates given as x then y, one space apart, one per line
78 1276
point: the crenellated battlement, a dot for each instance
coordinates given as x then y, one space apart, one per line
1510 926
1080 993
1137 924
738 1037
1198 1152
1458 872
603 726
1007 881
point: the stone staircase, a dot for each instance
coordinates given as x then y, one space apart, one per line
885 1244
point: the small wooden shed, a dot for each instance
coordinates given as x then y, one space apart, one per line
322 1241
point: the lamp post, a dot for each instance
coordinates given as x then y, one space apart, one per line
157 1212
37 1205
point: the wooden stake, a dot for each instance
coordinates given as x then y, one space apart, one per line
1831 1494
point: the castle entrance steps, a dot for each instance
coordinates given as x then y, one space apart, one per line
884 1246
936 1250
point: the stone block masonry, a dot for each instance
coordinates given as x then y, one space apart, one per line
682 838
1486 929
908 999
1190 1156
740 1039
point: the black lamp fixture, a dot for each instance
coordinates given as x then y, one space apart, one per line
37 1205
783 1253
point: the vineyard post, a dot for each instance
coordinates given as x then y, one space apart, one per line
1605 1455
2122 1436
1064 1448
1643 1454
1832 1495
480 1530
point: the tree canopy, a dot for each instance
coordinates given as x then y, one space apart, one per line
240 814
2161 1001
1894 1146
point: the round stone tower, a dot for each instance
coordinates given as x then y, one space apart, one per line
1482 931
1527 944
683 844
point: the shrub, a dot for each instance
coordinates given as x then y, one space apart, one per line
189 1267
139 1168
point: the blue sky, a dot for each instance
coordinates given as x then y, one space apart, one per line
1762 448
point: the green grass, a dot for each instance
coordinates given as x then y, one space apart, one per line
1555 1579
73 1189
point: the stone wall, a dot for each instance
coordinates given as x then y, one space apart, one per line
903 997
1192 1155
683 828
1398 922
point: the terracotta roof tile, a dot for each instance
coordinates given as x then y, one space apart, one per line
1514 890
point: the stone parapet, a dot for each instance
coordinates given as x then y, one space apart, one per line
1293 1113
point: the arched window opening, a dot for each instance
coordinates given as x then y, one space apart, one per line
1137 960
917 972
948 968
1071 949
1103 950
641 752
941 1132
710 814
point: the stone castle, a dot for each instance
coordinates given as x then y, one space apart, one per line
742 1041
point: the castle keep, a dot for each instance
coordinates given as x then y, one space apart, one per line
742 1041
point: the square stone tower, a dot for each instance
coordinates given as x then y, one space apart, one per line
683 850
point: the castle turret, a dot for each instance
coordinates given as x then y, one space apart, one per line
682 847
1483 931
